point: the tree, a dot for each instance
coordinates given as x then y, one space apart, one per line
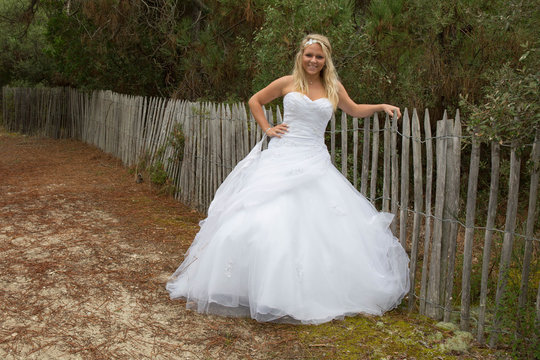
414 53
22 41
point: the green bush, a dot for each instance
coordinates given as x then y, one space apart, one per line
158 175
511 109
177 141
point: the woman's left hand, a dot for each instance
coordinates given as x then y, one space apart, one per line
389 109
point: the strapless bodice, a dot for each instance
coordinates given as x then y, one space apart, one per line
307 120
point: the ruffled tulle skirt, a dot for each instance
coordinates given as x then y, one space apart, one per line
288 238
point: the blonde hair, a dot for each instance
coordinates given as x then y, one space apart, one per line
329 77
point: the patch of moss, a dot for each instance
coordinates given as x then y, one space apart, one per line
394 335
460 342
447 326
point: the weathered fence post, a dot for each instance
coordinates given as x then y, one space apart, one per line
488 238
365 158
418 195
355 152
374 159
508 242
433 308
333 139
404 201
452 205
529 232
427 231
344 143
395 172
447 217
386 165
469 234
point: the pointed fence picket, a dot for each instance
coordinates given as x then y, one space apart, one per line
437 233
532 216
395 175
344 135
365 158
386 165
374 159
404 201
453 170
355 152
333 138
434 277
509 227
428 215
488 238
418 195
469 237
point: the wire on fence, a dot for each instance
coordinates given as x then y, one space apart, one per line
360 129
448 220
488 328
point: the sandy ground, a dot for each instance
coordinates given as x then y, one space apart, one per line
85 252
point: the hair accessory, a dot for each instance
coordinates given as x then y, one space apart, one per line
312 41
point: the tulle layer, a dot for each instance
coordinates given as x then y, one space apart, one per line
287 238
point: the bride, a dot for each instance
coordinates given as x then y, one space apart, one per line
287 237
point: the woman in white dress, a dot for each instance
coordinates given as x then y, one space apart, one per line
287 237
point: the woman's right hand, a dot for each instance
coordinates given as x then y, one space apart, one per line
277 130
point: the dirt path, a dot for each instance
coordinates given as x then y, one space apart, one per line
85 252
84 256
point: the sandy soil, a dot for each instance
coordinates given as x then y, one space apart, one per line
85 252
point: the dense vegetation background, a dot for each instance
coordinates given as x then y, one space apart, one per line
482 56
479 55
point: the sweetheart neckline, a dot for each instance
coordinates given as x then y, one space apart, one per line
305 96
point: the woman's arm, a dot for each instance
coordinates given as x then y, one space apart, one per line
274 90
362 110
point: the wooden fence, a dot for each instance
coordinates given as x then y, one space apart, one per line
435 221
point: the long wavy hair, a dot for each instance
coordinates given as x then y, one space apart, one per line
328 73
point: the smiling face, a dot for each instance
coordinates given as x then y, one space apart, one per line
313 59
313 66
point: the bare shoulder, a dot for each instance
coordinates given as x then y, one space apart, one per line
286 84
286 78
275 89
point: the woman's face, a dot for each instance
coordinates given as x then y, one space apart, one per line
313 59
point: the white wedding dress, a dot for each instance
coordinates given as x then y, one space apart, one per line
289 239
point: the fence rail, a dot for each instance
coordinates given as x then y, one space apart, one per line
436 222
